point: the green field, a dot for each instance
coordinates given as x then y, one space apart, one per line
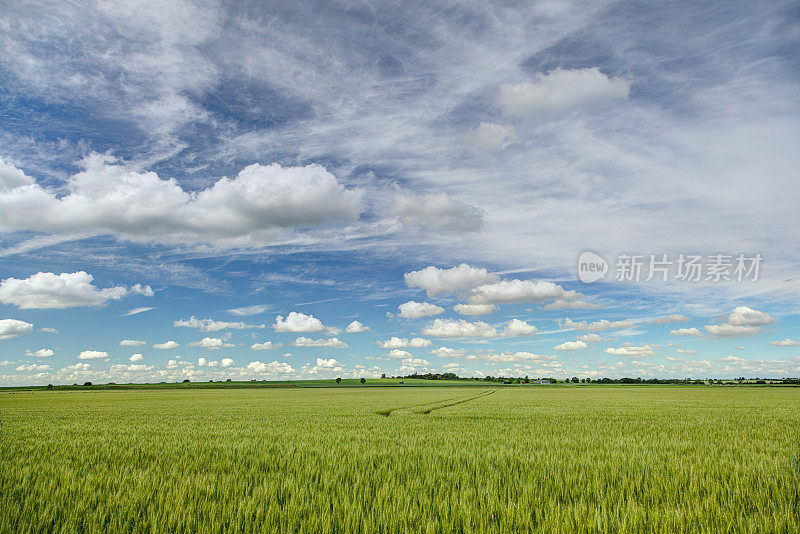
494 459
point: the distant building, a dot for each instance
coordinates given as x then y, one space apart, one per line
541 381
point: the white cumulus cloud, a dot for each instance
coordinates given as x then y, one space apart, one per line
252 209
92 355
210 325
41 353
267 345
415 310
475 309
437 212
516 291
438 281
401 343
785 343
211 343
334 343
686 332
298 322
356 327
167 345
571 345
560 90
57 291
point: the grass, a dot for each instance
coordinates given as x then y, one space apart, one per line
583 459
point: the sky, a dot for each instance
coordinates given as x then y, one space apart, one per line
256 190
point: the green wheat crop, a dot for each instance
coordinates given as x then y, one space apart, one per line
506 459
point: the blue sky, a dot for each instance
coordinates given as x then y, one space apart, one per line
432 171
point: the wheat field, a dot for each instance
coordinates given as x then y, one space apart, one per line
484 459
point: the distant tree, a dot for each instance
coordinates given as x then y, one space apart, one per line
186 380
383 375
363 380
338 380
574 379
87 383
228 380
49 386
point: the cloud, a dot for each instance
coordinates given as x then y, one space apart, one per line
415 310
632 350
560 90
327 363
137 311
459 328
299 322
474 309
131 343
208 343
670 319
571 345
516 328
77 367
274 367
57 291
447 352
41 353
522 356
590 338
131 368
246 311
744 316
401 343
33 367
400 354
253 209
438 281
730 330
686 351
48 330
488 136
437 212
356 327
517 291
226 362
785 343
686 332
267 345
136 357
334 343
414 362
477 329
92 355
597 326
11 328
167 345
570 304
210 325
742 321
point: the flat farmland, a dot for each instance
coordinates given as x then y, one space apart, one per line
433 459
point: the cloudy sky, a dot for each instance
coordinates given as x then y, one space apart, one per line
302 190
